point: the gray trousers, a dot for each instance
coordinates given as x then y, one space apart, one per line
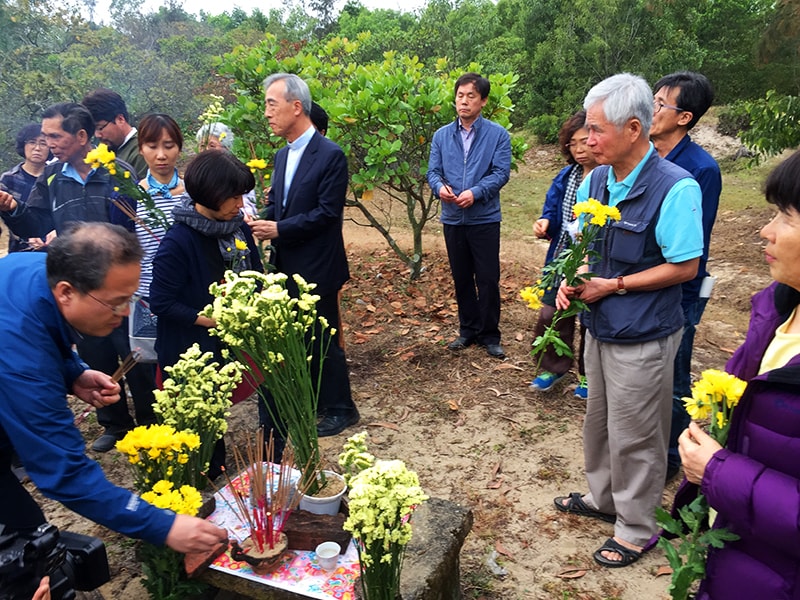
626 431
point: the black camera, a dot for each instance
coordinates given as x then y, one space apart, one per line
73 562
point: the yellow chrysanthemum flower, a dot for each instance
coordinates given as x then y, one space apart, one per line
532 297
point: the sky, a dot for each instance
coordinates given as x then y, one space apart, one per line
217 6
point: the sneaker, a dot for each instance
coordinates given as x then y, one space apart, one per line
582 389
545 381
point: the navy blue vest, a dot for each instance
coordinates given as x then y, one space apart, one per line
629 246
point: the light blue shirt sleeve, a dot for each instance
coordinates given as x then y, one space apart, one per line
582 195
679 230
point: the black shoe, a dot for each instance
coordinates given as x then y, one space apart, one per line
672 472
460 343
495 351
107 441
335 424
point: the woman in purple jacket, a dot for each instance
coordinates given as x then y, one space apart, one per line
754 482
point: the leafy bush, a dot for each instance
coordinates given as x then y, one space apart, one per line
733 119
775 124
545 128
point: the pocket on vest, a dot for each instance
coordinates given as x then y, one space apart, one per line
628 241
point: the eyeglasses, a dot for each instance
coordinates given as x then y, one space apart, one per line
99 128
36 143
114 308
576 143
658 105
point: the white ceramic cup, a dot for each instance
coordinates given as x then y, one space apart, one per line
328 555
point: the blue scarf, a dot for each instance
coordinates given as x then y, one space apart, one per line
163 189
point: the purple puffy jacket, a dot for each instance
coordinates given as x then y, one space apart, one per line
754 482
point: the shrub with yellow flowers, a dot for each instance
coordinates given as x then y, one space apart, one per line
197 397
157 452
257 318
127 192
569 266
714 397
165 577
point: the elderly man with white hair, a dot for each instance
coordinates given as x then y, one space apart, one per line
635 320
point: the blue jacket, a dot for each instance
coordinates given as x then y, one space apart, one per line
552 209
37 371
484 171
706 172
57 200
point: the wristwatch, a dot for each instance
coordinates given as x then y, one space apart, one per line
621 291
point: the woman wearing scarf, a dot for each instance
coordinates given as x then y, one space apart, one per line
208 237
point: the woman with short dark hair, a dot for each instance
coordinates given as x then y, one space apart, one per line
208 237
32 146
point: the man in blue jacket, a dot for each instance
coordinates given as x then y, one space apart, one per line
470 161
681 99
81 287
71 191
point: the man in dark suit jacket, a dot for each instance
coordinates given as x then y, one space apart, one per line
304 225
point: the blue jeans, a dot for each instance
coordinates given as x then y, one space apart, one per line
682 379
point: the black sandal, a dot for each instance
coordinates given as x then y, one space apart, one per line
577 506
629 556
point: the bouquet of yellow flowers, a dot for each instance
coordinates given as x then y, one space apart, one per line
197 397
383 495
714 397
157 452
382 498
567 267
165 577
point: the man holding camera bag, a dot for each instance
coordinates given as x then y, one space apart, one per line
81 287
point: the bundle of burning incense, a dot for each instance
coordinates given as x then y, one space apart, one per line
272 496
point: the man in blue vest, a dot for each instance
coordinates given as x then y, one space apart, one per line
635 320
681 99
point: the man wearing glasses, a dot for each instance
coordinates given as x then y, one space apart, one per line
71 191
112 127
681 99
50 302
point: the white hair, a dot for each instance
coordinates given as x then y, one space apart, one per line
624 96
219 131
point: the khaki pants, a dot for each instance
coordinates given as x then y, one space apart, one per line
626 430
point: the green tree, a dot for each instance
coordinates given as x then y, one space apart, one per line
383 115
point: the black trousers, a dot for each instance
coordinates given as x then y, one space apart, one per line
104 354
474 254
18 509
